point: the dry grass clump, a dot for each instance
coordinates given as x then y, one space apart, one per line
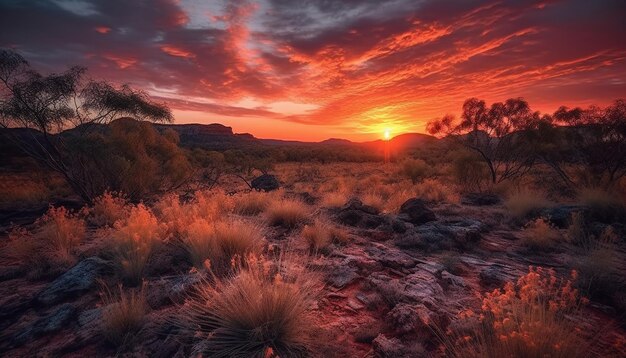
531 318
133 241
123 314
261 311
415 169
63 230
434 191
288 213
334 199
320 235
109 208
209 204
598 267
602 205
251 203
526 203
221 242
22 249
540 235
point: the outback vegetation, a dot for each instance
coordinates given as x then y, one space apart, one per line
122 235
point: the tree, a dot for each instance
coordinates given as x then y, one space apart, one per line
593 139
496 133
47 105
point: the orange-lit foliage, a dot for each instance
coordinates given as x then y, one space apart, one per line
262 310
221 241
529 318
22 249
540 235
133 240
123 314
64 231
287 212
109 208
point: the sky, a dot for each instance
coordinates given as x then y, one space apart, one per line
312 70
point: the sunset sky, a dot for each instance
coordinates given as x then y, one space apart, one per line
310 70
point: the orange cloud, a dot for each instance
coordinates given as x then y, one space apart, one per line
176 51
103 29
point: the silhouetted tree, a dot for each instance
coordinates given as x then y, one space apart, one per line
496 133
50 104
592 139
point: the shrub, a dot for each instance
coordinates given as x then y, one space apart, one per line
525 204
258 312
22 249
64 231
320 235
211 204
598 267
287 212
603 206
577 231
221 242
531 318
415 169
470 173
109 208
540 235
334 199
252 203
123 314
133 240
434 191
174 215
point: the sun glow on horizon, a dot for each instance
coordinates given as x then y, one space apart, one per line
387 134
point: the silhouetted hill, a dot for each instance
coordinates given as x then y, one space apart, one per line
212 136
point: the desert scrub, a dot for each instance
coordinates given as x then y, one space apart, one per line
540 235
63 230
529 318
603 206
334 199
526 203
108 208
288 213
23 249
262 310
598 267
123 314
251 203
133 240
212 204
320 235
415 169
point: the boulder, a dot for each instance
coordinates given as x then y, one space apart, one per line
415 211
356 214
77 280
492 276
480 199
53 322
384 347
561 215
442 235
265 182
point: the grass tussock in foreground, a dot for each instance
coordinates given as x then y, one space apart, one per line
133 242
321 234
262 310
288 213
221 242
531 318
123 314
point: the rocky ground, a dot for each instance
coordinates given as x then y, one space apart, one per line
387 291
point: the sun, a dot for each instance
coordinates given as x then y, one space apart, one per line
387 134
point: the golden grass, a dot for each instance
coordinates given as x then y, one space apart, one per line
63 230
123 314
539 235
288 213
251 203
109 208
133 242
22 249
260 311
320 235
334 199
